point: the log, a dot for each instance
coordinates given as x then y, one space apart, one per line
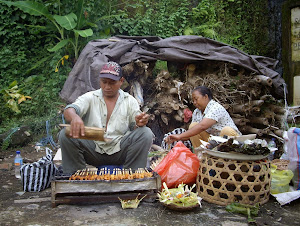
269 115
255 109
175 106
257 103
267 97
178 118
180 113
279 118
263 80
127 70
255 91
240 108
173 91
259 120
277 109
266 130
277 137
237 116
240 121
250 129
169 110
164 118
278 132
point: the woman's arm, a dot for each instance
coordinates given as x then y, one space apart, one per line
200 127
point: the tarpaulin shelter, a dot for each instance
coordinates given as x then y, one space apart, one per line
84 76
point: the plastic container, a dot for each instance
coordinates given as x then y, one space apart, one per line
272 147
18 164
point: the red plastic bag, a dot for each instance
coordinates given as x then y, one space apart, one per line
180 165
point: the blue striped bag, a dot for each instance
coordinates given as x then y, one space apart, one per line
168 147
37 176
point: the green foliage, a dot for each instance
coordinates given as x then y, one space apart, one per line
204 20
69 27
242 24
160 65
164 18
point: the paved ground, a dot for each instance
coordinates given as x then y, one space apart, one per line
39 211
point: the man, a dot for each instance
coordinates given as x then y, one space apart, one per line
118 113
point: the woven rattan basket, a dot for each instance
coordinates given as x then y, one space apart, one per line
223 181
281 164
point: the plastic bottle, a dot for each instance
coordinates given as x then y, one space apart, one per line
273 148
18 164
272 143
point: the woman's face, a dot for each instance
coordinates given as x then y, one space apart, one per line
199 101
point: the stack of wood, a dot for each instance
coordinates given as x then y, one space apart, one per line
248 97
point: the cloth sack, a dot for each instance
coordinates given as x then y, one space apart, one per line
37 176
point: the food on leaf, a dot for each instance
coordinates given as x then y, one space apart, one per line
181 196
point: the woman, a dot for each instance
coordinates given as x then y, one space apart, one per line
209 118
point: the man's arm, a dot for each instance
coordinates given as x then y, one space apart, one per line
77 125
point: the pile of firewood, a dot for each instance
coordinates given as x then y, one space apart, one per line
248 97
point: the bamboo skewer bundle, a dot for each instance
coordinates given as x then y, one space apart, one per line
117 174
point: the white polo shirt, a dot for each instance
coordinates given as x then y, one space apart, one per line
92 109
217 112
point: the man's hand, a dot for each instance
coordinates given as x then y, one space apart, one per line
141 119
76 123
77 128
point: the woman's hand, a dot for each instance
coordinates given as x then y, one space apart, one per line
172 138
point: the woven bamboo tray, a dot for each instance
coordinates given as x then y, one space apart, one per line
223 181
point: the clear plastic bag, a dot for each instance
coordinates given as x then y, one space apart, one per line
280 180
292 153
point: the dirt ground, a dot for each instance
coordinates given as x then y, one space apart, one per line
38 208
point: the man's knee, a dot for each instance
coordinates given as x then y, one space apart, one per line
147 132
62 136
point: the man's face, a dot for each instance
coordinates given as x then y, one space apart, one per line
110 88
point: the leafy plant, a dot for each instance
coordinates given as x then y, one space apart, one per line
148 18
13 97
69 27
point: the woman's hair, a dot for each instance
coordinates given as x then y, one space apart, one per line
203 90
